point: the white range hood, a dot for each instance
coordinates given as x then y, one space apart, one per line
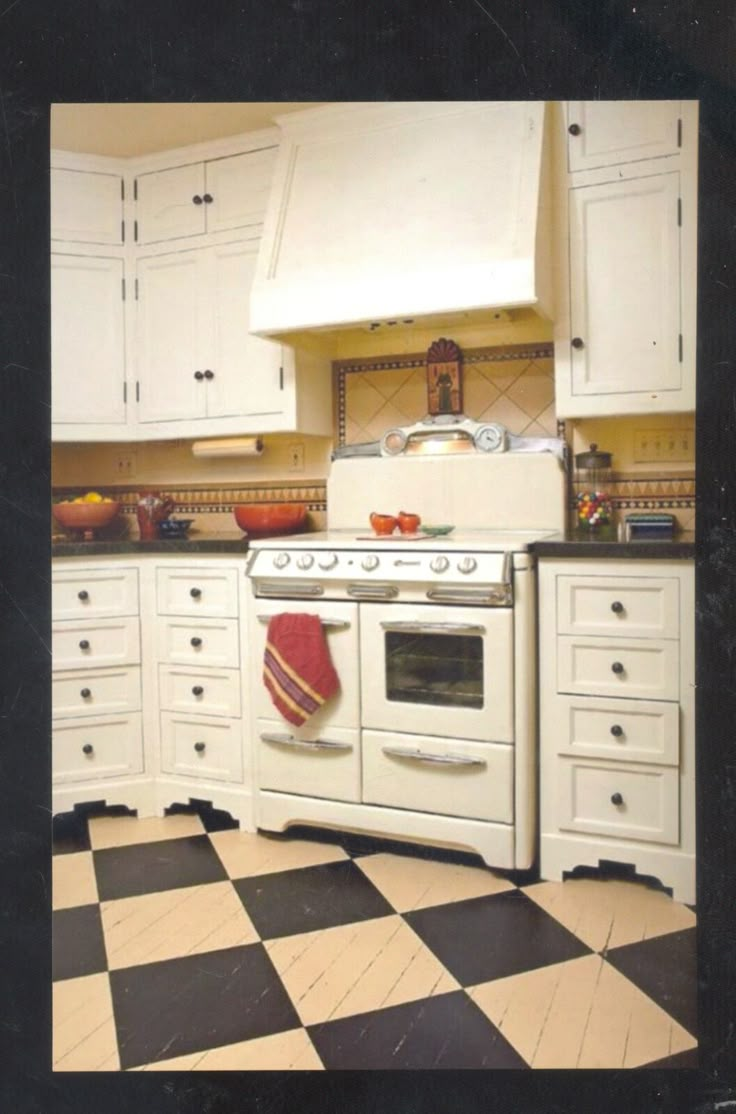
391 212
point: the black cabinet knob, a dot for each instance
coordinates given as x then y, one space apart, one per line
577 342
208 199
195 641
85 693
83 595
199 747
617 731
197 199
84 644
617 667
209 374
616 799
195 593
87 748
197 690
617 607
199 375
574 129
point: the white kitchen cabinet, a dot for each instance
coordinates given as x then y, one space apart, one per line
617 747
87 340
86 206
203 198
608 133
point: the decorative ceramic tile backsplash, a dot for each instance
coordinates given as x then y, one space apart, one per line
512 384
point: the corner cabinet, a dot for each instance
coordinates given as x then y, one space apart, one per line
625 331
617 718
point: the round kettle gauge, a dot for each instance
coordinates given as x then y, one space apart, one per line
490 438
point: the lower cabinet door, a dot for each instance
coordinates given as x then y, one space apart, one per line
104 747
452 777
644 668
98 692
195 746
313 762
629 802
209 692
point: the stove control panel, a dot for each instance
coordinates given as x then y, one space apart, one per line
440 563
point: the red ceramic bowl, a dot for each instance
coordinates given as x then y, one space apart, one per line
85 516
266 520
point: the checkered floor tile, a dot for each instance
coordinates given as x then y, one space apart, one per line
181 943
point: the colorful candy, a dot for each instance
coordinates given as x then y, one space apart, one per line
593 508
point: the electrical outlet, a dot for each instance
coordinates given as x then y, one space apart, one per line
296 456
663 445
124 466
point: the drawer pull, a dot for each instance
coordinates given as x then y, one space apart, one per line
304 744
199 747
372 591
83 595
85 693
195 593
574 129
197 690
617 607
617 730
616 799
195 641
88 748
617 667
433 759
84 644
577 342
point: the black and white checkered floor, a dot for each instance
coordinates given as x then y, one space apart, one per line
180 947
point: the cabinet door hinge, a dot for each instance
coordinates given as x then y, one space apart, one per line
135 229
137 391
125 391
135 189
122 231
679 132
122 281
122 189
679 212
679 347
136 290
281 379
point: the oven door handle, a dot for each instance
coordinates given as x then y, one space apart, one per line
372 591
434 759
498 596
341 623
416 627
304 744
286 590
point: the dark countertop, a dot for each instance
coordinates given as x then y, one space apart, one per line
605 543
233 542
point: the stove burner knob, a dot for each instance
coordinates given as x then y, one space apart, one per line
439 564
370 562
281 560
328 561
467 564
305 561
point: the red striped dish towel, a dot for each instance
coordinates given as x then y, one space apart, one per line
297 667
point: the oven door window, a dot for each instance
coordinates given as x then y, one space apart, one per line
438 669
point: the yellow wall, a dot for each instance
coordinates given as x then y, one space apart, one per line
617 436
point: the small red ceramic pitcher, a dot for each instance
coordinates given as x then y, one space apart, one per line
383 523
152 508
409 523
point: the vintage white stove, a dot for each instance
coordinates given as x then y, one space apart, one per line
433 736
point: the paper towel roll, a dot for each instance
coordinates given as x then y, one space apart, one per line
229 446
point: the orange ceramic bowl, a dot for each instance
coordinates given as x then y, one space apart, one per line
85 516
266 520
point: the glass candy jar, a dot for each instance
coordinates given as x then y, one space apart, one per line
592 481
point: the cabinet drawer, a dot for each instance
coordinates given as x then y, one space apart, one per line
630 802
210 692
86 749
89 643
199 642
94 593
452 777
198 747
210 593
618 667
629 607
96 692
629 731
314 763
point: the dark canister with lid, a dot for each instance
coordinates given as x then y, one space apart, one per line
592 483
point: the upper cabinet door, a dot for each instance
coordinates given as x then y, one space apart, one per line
247 371
625 288
86 207
607 133
238 187
172 332
170 203
87 340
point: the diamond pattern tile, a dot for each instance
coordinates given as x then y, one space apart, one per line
185 949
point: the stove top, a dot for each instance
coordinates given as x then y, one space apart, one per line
479 541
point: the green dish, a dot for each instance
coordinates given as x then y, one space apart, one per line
436 531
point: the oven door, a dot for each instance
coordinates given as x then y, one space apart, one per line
433 670
340 624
